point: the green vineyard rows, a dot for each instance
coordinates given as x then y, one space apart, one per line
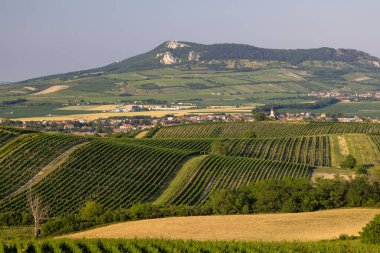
114 175
15 130
376 140
8 133
117 173
169 246
311 150
264 129
5 136
22 158
216 172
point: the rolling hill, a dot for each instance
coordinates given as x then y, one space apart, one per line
171 169
216 74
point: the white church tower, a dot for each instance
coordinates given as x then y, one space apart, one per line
272 114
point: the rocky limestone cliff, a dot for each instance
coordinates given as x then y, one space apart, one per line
376 64
168 58
193 56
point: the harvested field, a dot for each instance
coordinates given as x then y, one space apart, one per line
311 226
30 88
153 113
52 89
364 78
141 134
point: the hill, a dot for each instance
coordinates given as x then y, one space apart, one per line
68 171
182 52
186 72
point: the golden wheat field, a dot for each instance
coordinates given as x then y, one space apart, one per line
153 113
310 226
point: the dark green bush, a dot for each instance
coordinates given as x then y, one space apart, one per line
371 232
349 162
219 148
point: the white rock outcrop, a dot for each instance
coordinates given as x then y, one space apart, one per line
376 64
193 56
168 58
173 44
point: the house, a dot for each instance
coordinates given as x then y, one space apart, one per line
68 126
127 127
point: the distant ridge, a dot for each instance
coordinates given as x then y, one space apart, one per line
190 53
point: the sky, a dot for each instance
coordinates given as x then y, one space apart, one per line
42 37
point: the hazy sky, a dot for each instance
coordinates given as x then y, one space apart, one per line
40 37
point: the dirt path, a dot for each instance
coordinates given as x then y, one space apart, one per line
343 145
314 226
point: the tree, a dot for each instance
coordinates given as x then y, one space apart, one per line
90 211
361 170
39 211
349 162
219 148
260 116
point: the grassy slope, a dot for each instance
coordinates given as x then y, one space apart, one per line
360 146
180 178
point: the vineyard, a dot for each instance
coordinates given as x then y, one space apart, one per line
215 172
99 170
311 150
264 129
8 133
22 158
68 171
159 245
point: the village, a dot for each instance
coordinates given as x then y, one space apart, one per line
133 124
